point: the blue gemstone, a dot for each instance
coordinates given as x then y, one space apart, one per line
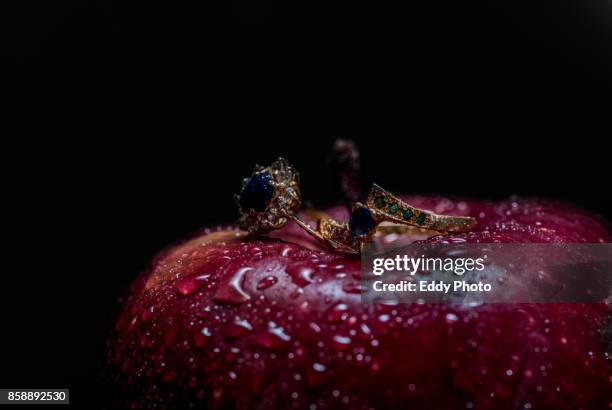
361 222
257 193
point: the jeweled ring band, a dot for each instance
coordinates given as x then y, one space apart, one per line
387 207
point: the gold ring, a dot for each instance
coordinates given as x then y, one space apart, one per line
270 197
382 206
387 207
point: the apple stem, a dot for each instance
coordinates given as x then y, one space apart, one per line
344 161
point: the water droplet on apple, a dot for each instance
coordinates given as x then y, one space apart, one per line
231 354
451 318
365 332
340 343
352 287
384 318
300 274
315 327
204 312
148 313
237 329
296 293
267 282
201 338
231 292
316 374
191 284
337 312
318 367
274 338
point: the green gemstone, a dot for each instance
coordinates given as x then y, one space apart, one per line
421 218
393 208
379 202
407 214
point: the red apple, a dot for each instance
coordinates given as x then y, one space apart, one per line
221 321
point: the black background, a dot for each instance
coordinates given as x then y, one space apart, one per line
129 126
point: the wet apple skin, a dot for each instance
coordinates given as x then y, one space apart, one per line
222 321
